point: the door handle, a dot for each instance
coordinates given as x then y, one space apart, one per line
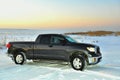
50 45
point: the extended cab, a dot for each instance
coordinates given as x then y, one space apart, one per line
55 47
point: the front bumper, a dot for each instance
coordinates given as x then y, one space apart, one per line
94 60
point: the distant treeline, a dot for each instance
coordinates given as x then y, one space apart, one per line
95 33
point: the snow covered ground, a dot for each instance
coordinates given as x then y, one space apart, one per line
108 69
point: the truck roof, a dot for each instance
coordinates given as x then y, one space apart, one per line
51 34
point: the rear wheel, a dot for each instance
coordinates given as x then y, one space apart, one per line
19 58
78 62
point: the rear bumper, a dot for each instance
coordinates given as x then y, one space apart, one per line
94 60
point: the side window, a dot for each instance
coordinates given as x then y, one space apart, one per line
57 40
45 39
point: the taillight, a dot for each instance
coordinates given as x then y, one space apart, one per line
8 45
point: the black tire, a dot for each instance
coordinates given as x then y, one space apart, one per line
19 58
78 62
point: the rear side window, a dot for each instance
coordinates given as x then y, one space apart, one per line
57 40
45 39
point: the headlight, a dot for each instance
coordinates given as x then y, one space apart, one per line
91 49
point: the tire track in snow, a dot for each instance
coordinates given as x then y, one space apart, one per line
104 74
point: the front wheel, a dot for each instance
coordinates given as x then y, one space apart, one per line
19 58
78 62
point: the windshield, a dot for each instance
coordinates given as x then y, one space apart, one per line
70 39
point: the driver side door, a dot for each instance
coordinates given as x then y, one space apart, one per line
58 48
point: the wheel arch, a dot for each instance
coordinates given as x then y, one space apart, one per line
22 51
79 53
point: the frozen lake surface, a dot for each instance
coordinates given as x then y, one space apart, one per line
108 69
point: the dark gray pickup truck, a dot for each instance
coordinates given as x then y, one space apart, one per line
55 47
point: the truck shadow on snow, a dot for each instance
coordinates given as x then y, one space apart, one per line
66 66
50 64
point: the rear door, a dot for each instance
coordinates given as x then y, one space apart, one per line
41 48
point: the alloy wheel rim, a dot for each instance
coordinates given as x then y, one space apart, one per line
77 63
19 58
